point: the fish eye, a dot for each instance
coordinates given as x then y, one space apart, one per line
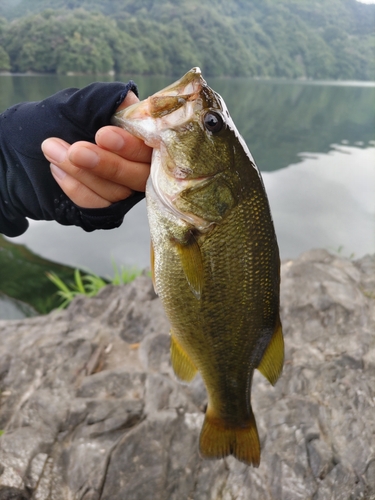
213 122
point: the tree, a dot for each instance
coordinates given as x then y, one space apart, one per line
266 38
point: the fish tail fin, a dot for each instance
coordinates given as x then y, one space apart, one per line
217 440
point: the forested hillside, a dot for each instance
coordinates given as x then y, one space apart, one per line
317 39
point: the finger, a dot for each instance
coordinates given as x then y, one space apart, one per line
118 140
108 165
123 143
102 188
56 151
80 194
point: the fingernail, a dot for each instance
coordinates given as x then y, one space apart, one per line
54 150
57 172
111 140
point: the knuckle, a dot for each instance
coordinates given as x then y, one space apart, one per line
119 193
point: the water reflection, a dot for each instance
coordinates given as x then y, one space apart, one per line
278 119
325 201
322 201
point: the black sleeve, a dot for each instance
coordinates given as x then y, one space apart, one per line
27 187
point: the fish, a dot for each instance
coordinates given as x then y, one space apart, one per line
214 256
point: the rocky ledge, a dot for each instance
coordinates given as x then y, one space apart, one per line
90 408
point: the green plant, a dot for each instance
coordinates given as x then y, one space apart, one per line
288 38
123 275
89 284
24 276
340 251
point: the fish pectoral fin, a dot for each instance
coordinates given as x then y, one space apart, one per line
192 264
183 366
271 364
217 440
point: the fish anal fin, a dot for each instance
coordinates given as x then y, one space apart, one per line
217 440
192 264
271 364
183 366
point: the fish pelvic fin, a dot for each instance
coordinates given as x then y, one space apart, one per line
183 366
271 364
218 440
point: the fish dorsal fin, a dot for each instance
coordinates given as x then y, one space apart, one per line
192 264
152 265
183 366
271 364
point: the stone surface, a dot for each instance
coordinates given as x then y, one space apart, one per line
91 410
14 309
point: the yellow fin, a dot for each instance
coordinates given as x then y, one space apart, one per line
217 440
191 261
152 265
271 364
183 366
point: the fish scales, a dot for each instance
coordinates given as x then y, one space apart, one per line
215 256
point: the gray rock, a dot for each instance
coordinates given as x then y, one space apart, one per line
91 410
14 309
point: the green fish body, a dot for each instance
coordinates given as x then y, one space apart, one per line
215 256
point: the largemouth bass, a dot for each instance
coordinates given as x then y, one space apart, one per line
215 259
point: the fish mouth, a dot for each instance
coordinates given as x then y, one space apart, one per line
171 106
190 84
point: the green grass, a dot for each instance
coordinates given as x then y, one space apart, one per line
32 279
340 251
89 284
23 276
124 275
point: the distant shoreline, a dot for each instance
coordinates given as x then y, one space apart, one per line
304 80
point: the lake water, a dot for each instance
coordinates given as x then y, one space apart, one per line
314 143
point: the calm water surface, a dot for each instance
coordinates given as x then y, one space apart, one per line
313 141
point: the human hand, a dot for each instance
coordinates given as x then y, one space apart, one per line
97 175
